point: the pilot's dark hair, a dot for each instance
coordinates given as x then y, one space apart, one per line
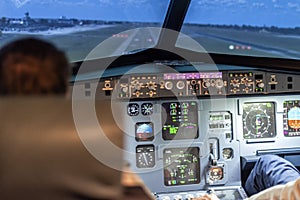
32 66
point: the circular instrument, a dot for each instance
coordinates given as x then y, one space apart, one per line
258 120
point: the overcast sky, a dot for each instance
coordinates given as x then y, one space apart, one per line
282 13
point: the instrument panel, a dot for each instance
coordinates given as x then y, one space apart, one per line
196 145
185 133
204 84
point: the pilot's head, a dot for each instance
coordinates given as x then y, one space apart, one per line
32 66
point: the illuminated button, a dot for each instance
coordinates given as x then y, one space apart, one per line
124 89
137 93
151 85
260 85
216 173
193 82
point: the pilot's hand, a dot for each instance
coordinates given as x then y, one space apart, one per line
207 197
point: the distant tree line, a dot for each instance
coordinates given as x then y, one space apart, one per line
295 30
33 24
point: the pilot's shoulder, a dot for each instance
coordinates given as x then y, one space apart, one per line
291 190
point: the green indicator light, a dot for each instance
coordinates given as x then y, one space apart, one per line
173 130
269 105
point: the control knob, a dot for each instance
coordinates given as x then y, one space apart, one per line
180 85
260 84
151 85
235 82
168 85
136 85
219 83
206 84
124 89
247 82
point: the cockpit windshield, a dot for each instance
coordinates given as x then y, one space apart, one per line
78 26
264 28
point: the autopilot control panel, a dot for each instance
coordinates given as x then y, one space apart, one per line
201 84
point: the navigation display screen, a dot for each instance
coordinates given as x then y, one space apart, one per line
181 120
259 120
181 166
291 118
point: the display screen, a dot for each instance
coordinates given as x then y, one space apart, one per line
259 120
291 118
183 76
181 120
144 131
181 166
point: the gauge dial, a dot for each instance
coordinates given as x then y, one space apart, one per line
259 120
144 131
227 153
216 173
133 109
145 156
147 108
